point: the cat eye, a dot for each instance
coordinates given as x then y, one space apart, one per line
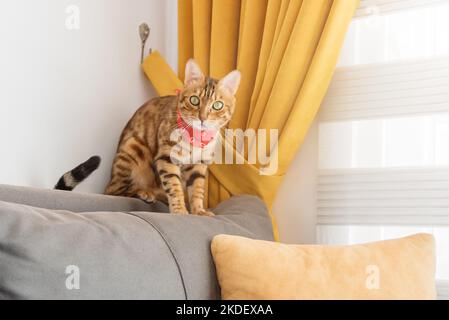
218 105
194 101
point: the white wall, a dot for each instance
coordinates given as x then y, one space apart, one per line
66 95
295 205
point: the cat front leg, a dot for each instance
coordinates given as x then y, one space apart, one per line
195 177
170 176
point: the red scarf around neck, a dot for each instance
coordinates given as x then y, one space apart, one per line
197 138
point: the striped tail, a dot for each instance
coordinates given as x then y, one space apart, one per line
75 176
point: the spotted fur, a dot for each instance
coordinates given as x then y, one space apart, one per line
143 165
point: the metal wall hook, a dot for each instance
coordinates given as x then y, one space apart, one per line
144 32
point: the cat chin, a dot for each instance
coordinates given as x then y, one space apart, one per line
205 126
210 127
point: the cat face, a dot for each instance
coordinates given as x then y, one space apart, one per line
206 101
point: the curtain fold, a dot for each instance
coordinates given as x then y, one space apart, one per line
202 11
224 37
185 34
286 50
271 21
252 24
283 30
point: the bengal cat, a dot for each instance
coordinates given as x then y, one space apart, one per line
146 165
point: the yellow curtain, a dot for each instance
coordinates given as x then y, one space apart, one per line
286 50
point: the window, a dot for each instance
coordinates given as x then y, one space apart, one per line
384 130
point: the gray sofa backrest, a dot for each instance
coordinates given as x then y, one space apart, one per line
121 250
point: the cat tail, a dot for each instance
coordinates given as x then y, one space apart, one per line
75 176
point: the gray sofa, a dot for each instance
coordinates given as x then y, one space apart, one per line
118 248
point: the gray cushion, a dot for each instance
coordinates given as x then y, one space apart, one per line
73 201
121 255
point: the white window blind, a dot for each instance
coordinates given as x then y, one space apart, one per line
388 89
398 35
384 131
370 7
396 197
443 290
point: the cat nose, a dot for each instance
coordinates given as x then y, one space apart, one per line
203 118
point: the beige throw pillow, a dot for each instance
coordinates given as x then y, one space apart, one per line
393 269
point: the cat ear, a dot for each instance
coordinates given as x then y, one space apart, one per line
231 82
193 73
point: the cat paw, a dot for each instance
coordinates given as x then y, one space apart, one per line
146 196
204 213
